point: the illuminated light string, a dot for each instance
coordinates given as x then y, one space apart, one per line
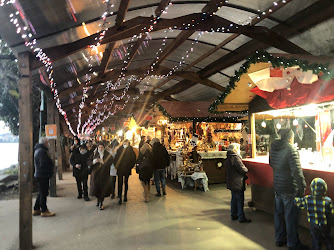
122 74
46 61
222 29
25 32
183 59
90 60
112 86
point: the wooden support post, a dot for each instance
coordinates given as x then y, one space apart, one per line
59 148
25 151
52 148
253 135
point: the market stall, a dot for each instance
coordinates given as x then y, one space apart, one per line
284 91
183 126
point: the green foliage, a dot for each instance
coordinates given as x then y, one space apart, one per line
276 62
9 97
11 171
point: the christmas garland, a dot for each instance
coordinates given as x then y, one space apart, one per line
276 62
199 119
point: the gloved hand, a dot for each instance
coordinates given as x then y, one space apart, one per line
300 193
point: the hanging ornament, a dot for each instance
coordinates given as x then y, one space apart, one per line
263 124
278 126
295 122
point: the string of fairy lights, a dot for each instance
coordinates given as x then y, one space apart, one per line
26 30
120 78
94 47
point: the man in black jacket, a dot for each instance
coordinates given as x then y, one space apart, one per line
80 160
160 160
43 172
289 182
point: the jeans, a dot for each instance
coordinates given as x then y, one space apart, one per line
286 219
159 176
40 203
321 234
120 186
82 185
113 184
237 205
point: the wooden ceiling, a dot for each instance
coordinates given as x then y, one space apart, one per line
278 36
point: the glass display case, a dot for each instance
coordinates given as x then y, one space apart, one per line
313 126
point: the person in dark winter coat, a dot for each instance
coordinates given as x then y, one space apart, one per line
43 172
125 160
235 181
145 169
142 141
100 180
80 160
76 144
289 183
160 161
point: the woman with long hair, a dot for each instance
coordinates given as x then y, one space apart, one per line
145 169
100 180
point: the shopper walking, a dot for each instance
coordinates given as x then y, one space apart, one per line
142 141
145 169
113 172
289 183
160 161
100 176
80 160
235 181
43 172
125 160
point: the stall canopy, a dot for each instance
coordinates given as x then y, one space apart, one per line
282 80
196 111
112 58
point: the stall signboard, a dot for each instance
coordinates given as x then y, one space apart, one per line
51 131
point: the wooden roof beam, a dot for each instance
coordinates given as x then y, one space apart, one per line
213 6
161 7
320 11
135 26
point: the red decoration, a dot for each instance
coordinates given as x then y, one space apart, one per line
112 128
276 72
299 94
148 118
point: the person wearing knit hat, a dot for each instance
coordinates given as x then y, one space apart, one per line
319 210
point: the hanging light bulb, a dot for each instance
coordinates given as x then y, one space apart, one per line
263 124
278 126
295 122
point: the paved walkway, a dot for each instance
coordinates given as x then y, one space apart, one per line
183 219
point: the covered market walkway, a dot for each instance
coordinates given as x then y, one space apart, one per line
184 219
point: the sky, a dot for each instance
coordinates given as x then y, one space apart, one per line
3 128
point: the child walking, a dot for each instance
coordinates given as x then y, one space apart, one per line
319 210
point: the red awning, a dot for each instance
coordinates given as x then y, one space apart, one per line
299 94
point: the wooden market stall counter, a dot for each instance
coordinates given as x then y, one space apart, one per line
212 161
213 165
260 175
